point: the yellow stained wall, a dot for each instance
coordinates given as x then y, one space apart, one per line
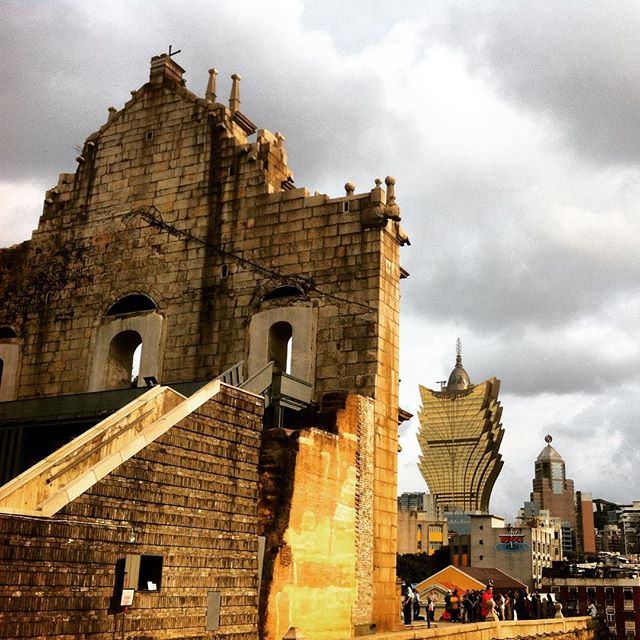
315 576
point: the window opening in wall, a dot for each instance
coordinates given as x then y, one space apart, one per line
135 365
143 573
285 291
1 368
289 350
224 270
7 332
281 345
131 304
148 135
121 359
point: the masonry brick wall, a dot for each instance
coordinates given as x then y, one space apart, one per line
189 497
202 177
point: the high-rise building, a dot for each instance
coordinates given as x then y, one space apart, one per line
551 488
554 492
418 501
460 434
585 529
421 526
629 526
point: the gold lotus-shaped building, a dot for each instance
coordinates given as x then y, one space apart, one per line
460 434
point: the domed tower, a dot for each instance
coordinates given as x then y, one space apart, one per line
459 436
551 488
459 378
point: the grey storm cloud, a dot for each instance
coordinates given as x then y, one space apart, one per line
511 128
65 66
574 61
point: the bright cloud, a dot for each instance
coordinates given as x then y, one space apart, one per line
513 133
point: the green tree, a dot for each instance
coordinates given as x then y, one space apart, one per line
415 567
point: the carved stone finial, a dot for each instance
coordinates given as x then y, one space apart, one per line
112 113
349 188
280 138
234 98
558 607
390 181
490 605
378 183
210 93
392 211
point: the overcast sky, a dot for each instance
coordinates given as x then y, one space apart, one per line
513 131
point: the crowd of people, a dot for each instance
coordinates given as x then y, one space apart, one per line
471 605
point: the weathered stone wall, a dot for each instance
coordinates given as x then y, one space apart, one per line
189 497
386 451
188 161
321 560
171 199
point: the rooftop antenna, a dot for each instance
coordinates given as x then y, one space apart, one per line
458 352
442 384
173 53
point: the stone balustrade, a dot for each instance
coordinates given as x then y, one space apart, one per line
556 628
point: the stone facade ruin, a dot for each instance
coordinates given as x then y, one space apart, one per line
182 241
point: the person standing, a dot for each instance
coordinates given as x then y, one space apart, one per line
407 604
416 604
486 596
431 609
499 608
455 606
467 607
551 610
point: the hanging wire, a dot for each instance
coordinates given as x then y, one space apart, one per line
152 216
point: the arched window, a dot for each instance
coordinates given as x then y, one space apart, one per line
10 361
286 335
120 370
280 345
119 359
133 303
285 291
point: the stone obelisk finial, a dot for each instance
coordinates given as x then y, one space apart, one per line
234 98
211 85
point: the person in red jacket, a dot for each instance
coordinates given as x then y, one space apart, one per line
486 596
